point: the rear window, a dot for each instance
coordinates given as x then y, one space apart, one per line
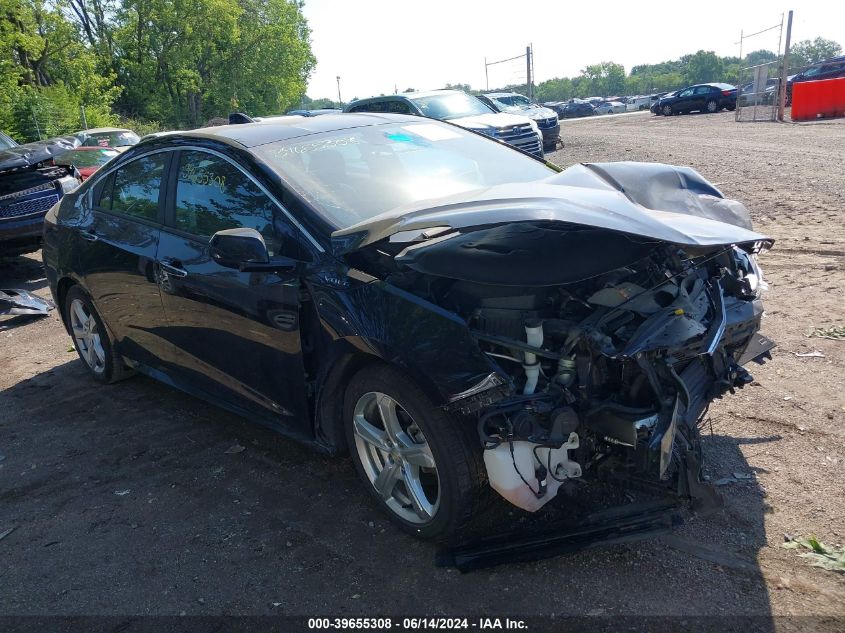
111 139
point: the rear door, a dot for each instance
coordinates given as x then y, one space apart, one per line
237 332
118 240
701 95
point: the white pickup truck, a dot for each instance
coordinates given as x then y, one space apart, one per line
635 104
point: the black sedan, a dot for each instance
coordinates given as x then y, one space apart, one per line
576 108
456 315
699 98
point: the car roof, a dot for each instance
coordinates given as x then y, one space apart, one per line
409 96
102 130
289 127
503 94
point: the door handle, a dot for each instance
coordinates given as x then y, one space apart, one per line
172 268
89 236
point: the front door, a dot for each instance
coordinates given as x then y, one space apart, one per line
237 332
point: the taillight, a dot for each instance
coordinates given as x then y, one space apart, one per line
726 93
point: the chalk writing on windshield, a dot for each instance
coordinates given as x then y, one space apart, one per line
314 146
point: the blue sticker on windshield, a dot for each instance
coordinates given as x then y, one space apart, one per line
401 137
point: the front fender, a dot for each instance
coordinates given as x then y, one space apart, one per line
432 345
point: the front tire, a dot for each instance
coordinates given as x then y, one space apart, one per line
667 110
421 466
92 339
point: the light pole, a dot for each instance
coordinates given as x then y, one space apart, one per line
339 100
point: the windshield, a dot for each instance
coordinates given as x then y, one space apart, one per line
111 139
513 102
86 158
451 105
6 142
355 174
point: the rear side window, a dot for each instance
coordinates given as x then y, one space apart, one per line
134 188
374 106
398 107
212 195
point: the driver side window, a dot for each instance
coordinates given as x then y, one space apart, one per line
686 93
212 194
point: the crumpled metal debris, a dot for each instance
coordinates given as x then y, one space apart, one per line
23 302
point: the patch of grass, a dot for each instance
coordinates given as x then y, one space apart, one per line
835 332
820 555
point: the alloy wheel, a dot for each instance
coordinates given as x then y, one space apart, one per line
712 106
86 335
396 458
667 110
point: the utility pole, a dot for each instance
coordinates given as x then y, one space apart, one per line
35 118
339 100
84 120
486 75
528 69
785 69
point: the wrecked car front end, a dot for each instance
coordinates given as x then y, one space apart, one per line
613 302
30 183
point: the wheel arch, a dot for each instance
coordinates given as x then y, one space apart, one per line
328 402
62 288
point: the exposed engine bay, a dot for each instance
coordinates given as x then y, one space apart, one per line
610 344
611 368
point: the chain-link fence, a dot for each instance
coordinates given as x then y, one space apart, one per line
757 92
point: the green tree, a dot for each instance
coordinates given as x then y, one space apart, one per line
756 58
605 79
702 67
808 52
49 74
185 61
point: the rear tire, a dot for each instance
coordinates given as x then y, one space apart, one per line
427 473
92 340
712 106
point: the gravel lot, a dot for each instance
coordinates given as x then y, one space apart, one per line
125 501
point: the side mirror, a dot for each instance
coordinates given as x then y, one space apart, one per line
235 248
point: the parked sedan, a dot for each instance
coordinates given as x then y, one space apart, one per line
699 98
610 107
577 108
116 138
87 160
456 315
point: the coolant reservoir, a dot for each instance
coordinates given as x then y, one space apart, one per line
502 467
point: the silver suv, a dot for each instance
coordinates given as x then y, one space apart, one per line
513 103
461 109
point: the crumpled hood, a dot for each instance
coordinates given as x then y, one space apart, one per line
36 152
494 119
651 200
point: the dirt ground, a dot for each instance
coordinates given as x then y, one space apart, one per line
124 499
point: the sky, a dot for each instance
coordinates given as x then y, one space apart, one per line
378 46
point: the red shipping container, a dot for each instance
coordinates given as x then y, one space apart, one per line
814 99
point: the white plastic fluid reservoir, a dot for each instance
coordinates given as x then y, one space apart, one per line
503 476
505 479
